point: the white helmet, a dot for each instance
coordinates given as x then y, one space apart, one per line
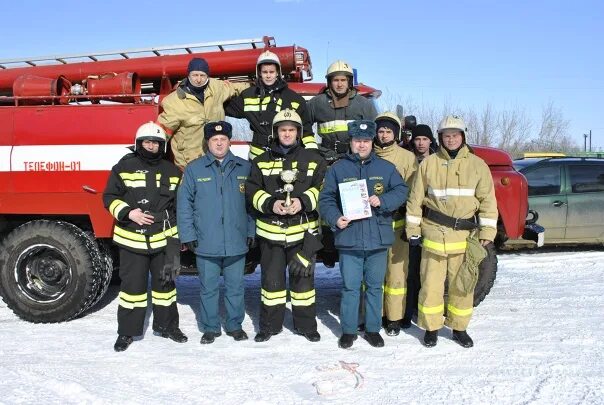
287 115
452 122
340 67
265 58
150 131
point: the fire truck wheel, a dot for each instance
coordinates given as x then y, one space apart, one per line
487 275
47 271
103 272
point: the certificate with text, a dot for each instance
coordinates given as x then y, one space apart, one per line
355 199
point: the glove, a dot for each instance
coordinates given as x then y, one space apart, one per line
302 264
171 268
251 242
191 245
404 236
415 241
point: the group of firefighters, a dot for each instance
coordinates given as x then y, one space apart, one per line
421 200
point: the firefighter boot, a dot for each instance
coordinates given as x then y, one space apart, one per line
374 339
173 334
431 338
462 337
264 335
406 323
122 343
346 340
312 336
238 335
393 328
208 337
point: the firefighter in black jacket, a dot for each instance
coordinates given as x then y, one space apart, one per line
140 194
283 189
260 103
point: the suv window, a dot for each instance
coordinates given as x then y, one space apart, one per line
586 178
543 180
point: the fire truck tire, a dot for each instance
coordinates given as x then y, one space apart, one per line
49 271
103 272
487 275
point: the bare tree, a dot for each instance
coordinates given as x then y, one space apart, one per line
553 133
514 128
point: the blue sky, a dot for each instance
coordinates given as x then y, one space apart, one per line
465 53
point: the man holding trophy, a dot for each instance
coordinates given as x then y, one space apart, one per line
283 190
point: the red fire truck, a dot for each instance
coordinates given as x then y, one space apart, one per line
66 120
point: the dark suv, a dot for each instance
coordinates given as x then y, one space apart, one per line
568 195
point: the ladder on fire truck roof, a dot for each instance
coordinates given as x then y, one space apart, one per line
255 43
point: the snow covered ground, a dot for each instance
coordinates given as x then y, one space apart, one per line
538 339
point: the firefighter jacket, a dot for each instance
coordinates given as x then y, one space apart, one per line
136 183
459 188
212 207
384 181
406 165
332 123
265 187
184 117
260 109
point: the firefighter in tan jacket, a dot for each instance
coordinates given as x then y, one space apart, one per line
395 285
198 100
452 194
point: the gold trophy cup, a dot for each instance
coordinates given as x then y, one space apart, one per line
288 177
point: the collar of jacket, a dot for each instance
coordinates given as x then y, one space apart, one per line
210 159
281 85
351 93
276 151
464 151
356 158
182 93
385 150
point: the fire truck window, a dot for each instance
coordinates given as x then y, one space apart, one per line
544 180
587 178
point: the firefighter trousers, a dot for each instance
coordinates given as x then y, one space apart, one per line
134 272
273 263
395 283
433 272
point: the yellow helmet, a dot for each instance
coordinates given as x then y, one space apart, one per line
150 131
290 116
267 57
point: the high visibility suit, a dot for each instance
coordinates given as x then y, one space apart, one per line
184 117
259 108
332 122
151 186
280 236
395 283
459 188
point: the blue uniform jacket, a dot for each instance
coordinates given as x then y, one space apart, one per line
211 206
384 181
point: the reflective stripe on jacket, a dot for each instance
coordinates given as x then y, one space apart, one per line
264 187
260 110
460 188
134 183
332 123
184 117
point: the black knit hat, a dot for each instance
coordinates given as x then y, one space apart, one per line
200 65
422 130
217 128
